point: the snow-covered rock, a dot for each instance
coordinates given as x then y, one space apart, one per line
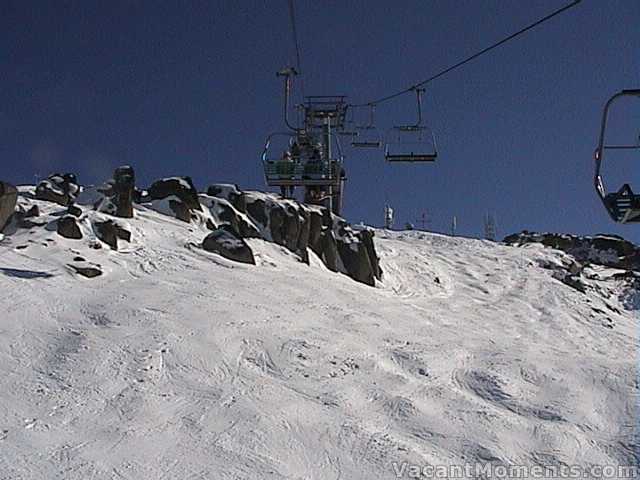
300 227
58 188
229 192
110 231
67 227
8 200
86 269
119 194
226 242
180 187
608 250
224 213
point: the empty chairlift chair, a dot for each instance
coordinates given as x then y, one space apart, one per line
623 205
411 143
367 135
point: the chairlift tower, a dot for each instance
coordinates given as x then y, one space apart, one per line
310 155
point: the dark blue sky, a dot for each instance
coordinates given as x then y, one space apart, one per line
190 88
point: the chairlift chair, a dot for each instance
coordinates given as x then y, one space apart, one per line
623 205
367 134
297 170
411 143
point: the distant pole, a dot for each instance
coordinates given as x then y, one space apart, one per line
388 217
424 220
454 226
490 227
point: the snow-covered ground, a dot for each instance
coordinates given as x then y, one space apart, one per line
179 364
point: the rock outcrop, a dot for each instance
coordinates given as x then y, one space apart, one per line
86 269
119 194
607 250
58 188
180 187
74 210
229 192
175 196
8 200
228 213
106 232
225 242
298 228
224 213
110 232
67 227
25 217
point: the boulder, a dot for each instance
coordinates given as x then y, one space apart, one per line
223 212
286 225
303 235
229 192
32 212
67 227
328 251
366 237
353 254
106 232
124 183
119 194
58 188
22 217
122 233
291 228
257 210
86 269
74 210
357 264
8 200
277 217
315 231
225 242
173 207
181 187
181 210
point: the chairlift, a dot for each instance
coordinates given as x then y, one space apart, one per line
309 155
367 135
623 205
411 143
287 167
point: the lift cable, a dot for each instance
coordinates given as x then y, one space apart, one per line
472 57
296 43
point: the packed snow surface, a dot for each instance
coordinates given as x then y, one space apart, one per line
179 364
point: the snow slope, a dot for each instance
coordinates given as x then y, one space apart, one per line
178 364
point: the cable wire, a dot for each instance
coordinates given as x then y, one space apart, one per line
296 43
469 59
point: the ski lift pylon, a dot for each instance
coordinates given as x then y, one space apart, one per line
623 205
411 143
